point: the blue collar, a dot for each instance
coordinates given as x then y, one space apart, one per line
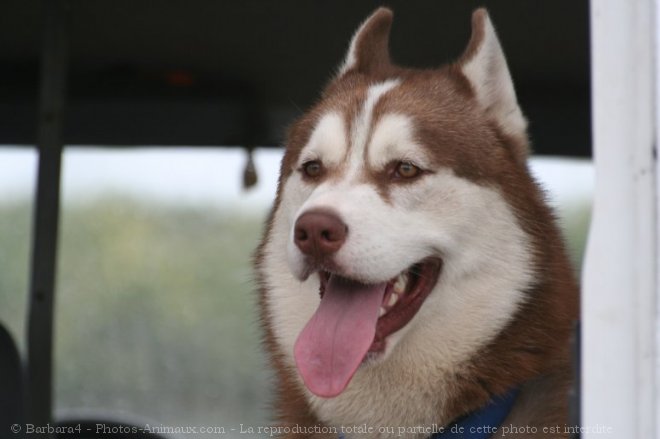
482 423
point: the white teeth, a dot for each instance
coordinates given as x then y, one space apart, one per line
401 282
392 300
398 288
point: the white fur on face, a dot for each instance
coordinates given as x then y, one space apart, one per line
327 142
362 124
393 140
486 268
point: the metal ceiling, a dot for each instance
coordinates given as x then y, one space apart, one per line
209 72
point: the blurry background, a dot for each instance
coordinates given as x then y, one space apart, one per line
155 313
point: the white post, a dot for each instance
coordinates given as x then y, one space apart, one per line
619 306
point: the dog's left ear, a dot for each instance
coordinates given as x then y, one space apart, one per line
369 50
484 65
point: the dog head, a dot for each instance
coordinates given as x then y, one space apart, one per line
403 231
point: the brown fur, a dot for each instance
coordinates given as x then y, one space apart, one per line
533 350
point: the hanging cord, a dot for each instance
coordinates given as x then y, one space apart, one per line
250 177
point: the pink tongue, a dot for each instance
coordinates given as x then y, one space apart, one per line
334 342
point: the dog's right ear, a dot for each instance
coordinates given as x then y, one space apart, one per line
369 50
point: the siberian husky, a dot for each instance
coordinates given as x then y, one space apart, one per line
412 278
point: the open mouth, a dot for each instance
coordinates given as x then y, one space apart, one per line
402 298
354 319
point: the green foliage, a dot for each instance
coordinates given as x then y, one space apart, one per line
155 304
15 228
155 314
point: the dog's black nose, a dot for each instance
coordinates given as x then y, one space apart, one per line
319 233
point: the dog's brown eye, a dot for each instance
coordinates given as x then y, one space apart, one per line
312 169
406 170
